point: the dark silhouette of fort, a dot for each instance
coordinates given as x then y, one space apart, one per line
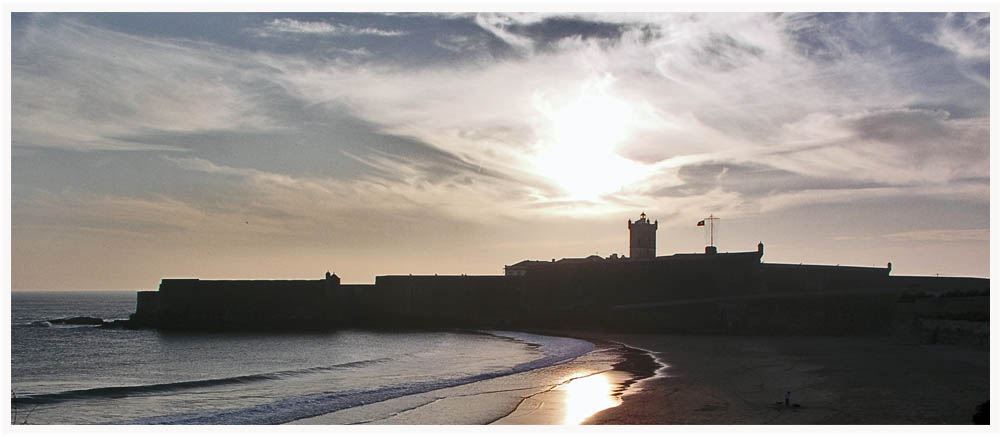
706 292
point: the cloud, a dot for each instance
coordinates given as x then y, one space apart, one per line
293 26
79 87
723 52
497 25
412 190
851 238
897 146
550 32
263 208
967 35
461 43
751 180
942 235
737 105
296 26
456 122
973 192
358 52
728 88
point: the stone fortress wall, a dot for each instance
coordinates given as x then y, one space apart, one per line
685 295
711 292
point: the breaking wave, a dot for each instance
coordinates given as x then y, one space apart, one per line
556 350
112 392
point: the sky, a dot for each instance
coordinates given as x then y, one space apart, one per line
271 145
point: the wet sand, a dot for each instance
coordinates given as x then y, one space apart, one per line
581 394
566 392
835 380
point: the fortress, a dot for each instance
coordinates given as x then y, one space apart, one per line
688 292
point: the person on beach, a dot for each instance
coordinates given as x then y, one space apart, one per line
788 396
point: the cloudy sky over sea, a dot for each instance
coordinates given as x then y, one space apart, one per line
285 145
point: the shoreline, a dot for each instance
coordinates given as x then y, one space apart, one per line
733 380
603 388
482 401
641 363
539 396
666 379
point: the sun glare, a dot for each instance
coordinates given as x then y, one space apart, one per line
579 150
586 396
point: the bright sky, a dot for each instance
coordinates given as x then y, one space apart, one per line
271 145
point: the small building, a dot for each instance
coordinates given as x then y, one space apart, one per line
521 268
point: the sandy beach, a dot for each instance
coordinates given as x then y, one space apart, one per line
721 380
570 400
564 393
834 380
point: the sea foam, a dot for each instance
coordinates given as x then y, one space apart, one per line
555 350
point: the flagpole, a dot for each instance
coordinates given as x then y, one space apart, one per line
711 223
711 228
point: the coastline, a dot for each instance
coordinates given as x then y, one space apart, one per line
834 380
664 379
546 395
573 399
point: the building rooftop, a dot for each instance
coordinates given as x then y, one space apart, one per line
528 264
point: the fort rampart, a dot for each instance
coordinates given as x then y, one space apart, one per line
720 293
232 304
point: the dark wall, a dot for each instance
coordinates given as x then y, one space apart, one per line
811 278
439 301
198 304
690 292
849 314
934 284
588 284
351 303
147 307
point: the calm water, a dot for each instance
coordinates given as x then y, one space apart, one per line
83 375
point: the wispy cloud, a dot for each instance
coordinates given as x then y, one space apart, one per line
966 35
461 43
290 25
730 88
461 120
942 235
682 85
412 191
80 87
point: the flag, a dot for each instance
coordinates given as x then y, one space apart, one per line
701 223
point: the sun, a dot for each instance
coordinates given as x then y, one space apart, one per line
580 139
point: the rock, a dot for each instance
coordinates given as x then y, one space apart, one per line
119 324
82 320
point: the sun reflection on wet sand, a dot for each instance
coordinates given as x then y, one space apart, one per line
587 395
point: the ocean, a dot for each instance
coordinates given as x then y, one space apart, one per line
88 375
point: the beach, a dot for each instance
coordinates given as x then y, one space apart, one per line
834 380
565 393
721 380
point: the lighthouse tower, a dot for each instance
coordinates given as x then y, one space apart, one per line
642 238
